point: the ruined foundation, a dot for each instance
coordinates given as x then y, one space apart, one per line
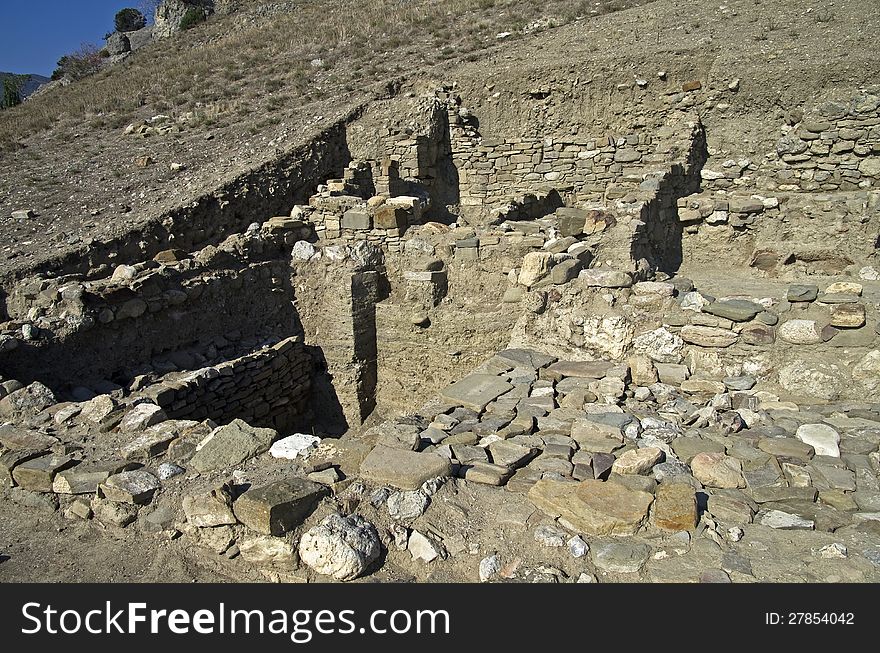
598 340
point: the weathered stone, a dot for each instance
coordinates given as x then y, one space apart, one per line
786 521
231 445
620 558
637 461
867 371
848 316
577 369
565 271
844 288
341 547
27 401
113 513
9 460
731 509
293 446
705 336
510 454
135 487
85 478
598 278
279 507
37 474
152 443
267 550
98 408
213 508
819 380
675 507
718 470
774 493
660 345
801 332
593 507
596 437
422 548
535 267
406 470
758 334
702 386
487 473
802 293
407 505
142 416
738 310
824 439
476 391
786 448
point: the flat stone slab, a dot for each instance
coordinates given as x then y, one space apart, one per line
37 474
738 310
209 509
787 448
279 507
579 369
136 487
403 469
85 479
619 558
824 439
231 445
15 439
786 521
528 358
802 292
150 443
592 507
675 507
705 336
9 460
510 454
476 391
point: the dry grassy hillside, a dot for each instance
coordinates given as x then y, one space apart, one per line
250 85
255 82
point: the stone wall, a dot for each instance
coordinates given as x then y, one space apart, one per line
270 190
269 387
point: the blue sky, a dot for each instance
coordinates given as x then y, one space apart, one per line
35 34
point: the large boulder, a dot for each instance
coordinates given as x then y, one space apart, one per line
341 547
117 44
29 400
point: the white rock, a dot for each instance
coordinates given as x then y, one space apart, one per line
489 567
801 332
577 547
422 548
824 439
123 274
142 416
303 251
98 408
298 444
833 551
819 380
407 505
66 413
341 547
660 345
550 536
869 273
867 371
786 521
265 549
535 266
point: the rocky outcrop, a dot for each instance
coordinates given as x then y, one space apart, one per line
170 14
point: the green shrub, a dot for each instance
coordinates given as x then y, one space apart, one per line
12 91
191 18
129 20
